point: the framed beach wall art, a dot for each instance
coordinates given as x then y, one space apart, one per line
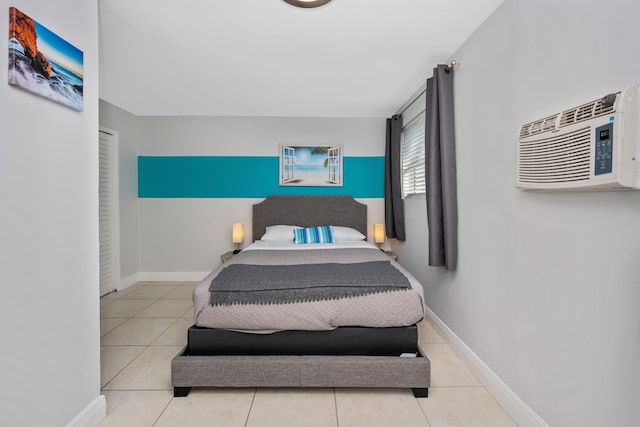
311 166
43 63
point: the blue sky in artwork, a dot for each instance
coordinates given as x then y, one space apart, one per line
59 50
304 156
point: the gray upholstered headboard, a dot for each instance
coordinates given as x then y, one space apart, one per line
309 211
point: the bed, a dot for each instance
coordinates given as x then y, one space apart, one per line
294 335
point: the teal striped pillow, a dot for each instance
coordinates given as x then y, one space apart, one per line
323 234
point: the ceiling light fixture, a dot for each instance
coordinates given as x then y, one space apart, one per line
307 4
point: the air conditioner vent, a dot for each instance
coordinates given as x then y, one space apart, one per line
555 160
539 126
536 128
602 109
549 123
525 130
587 111
568 117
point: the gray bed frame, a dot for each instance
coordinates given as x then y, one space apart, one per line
303 371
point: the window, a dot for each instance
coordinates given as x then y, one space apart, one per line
412 149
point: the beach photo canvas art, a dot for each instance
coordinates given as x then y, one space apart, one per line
43 63
311 165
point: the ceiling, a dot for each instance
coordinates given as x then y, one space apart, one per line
350 58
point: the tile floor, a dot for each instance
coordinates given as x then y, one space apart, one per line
144 326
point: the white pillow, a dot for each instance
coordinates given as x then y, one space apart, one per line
347 234
279 233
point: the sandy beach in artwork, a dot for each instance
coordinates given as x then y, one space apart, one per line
311 175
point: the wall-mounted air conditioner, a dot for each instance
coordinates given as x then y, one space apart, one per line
593 146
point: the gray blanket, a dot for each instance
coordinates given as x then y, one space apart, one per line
283 284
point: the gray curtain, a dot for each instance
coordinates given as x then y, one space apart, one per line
440 151
393 203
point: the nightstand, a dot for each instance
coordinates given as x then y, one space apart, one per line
226 256
392 255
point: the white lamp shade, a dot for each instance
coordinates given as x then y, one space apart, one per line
378 233
238 232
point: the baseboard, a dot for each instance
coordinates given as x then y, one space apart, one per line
92 415
128 281
173 276
521 413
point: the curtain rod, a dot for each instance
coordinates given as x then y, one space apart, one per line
452 64
423 89
413 99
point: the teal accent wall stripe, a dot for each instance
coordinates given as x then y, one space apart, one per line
247 177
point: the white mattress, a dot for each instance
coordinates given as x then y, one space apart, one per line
389 309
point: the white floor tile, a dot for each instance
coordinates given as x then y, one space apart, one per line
113 359
125 307
464 407
151 370
428 335
108 324
184 291
119 294
220 408
176 334
447 370
138 331
378 408
166 308
293 407
134 408
159 283
151 292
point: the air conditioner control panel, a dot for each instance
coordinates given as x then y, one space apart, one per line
603 149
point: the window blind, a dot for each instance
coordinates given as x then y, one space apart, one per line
413 159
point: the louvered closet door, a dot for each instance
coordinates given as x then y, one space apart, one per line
107 279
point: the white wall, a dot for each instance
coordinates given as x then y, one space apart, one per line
548 285
49 310
189 235
126 124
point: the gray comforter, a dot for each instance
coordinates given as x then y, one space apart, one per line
284 284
